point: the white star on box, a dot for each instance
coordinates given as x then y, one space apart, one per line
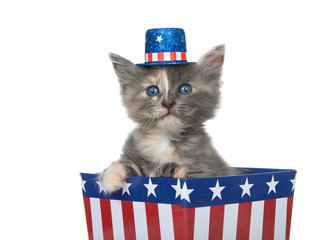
246 188
159 39
151 188
185 192
126 188
83 184
177 188
216 191
101 188
293 182
272 185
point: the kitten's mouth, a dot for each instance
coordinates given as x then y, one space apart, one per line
168 115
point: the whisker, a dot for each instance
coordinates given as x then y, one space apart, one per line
187 107
143 127
184 106
195 118
147 124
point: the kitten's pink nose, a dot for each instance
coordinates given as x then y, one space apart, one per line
168 103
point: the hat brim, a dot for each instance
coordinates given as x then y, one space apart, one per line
164 63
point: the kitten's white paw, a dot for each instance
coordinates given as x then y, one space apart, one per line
179 173
113 177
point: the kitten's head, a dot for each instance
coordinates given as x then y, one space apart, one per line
173 96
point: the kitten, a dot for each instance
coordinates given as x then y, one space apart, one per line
170 105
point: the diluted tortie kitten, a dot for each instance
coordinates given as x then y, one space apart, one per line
170 105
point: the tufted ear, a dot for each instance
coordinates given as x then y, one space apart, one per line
123 68
212 61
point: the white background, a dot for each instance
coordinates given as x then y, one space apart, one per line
61 114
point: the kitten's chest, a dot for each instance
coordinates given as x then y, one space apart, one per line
158 146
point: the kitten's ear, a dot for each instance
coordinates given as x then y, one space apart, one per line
122 67
212 61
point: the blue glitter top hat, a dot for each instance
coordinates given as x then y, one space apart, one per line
165 46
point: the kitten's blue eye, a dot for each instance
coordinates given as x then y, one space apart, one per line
152 91
185 89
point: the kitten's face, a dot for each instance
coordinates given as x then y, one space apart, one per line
173 96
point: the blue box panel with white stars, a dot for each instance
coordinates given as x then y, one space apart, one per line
254 185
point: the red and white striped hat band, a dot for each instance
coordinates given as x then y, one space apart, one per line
165 57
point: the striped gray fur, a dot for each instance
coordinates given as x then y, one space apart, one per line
169 140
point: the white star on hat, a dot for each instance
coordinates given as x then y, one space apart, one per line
177 188
272 185
216 191
185 192
159 39
126 188
151 188
246 188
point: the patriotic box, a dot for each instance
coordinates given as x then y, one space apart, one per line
255 205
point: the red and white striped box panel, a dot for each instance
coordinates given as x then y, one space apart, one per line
192 215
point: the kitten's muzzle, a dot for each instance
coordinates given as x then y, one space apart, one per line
168 103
